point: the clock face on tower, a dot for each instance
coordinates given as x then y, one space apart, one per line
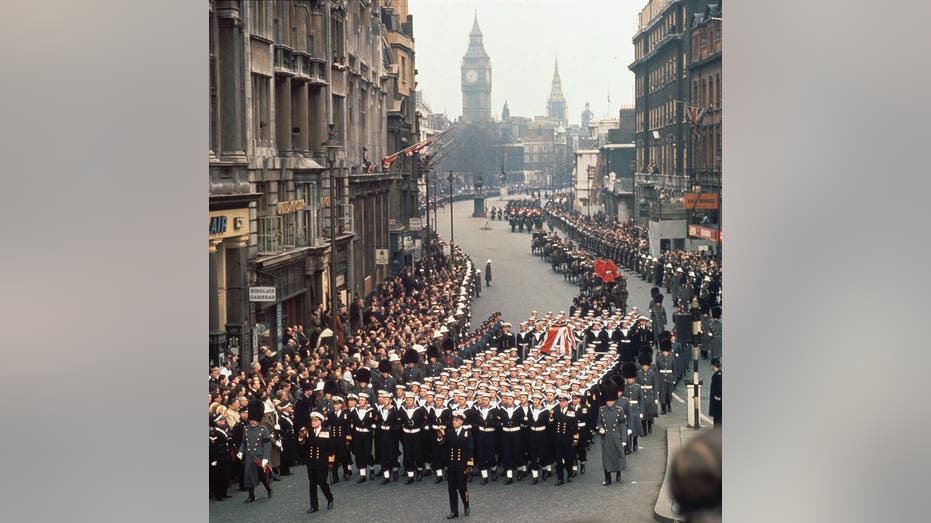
471 77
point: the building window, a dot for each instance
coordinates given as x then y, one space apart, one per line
718 90
261 109
268 235
260 18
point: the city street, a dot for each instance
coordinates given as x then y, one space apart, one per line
522 282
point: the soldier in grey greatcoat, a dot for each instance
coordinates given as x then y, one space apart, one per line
635 398
706 330
666 368
658 316
648 379
612 426
716 332
255 451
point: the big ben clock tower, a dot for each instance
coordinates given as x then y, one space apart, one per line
476 79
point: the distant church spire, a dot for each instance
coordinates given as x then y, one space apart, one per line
556 104
505 113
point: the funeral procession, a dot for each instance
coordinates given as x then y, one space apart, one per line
417 315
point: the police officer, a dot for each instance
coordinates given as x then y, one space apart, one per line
457 446
714 401
317 446
219 457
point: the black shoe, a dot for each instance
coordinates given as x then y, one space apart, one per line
452 516
439 479
269 491
361 480
494 475
534 481
409 481
311 510
469 480
347 474
466 510
249 500
521 475
605 483
394 475
484 481
329 504
418 476
558 482
508 481
581 468
276 479
385 481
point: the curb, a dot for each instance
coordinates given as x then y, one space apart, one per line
676 437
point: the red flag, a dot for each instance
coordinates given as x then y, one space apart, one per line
558 340
606 270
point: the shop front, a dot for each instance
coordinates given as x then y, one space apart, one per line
228 303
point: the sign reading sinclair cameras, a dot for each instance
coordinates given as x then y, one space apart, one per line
262 294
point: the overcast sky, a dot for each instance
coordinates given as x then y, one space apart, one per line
591 39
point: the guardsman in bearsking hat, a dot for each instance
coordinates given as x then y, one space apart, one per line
666 368
255 451
612 427
635 399
658 316
457 446
319 454
648 379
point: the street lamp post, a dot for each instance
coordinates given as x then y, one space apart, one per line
452 238
332 146
590 170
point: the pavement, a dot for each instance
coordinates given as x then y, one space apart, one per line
522 282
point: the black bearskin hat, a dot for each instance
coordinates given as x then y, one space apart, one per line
665 335
629 370
716 312
330 387
384 366
654 291
658 298
665 344
645 358
609 391
364 375
256 410
410 356
433 352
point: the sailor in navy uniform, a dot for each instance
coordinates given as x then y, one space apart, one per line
457 446
320 456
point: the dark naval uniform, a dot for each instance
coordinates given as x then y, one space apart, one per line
485 425
510 419
339 427
319 454
413 421
457 447
388 428
220 463
438 418
362 426
565 436
538 440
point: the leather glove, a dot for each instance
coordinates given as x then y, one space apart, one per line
239 455
264 462
213 463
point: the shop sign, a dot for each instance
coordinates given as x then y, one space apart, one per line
704 233
262 294
381 256
704 200
291 206
224 224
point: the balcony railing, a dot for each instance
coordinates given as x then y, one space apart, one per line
667 181
284 60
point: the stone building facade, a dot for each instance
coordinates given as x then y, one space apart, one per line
280 74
